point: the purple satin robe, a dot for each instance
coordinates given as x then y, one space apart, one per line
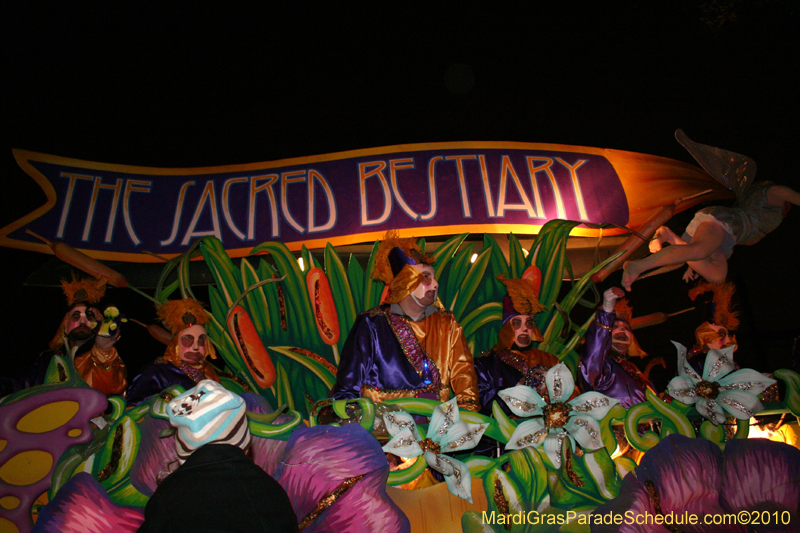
601 373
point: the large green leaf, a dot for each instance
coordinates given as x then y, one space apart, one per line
470 283
342 295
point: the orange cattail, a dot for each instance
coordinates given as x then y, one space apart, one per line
79 260
157 332
319 290
250 347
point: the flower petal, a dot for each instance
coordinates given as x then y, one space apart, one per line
404 444
682 389
685 473
396 421
553 446
560 383
711 410
684 368
593 404
462 436
523 400
746 379
740 404
586 431
760 475
456 474
718 363
633 497
444 416
528 433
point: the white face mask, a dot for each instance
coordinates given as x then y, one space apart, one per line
192 346
523 330
621 336
425 293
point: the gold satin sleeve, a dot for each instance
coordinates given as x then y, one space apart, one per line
443 340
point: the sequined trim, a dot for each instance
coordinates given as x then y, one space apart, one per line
558 387
589 429
447 410
730 402
590 404
522 405
712 373
500 500
746 386
465 438
571 474
401 424
560 436
402 443
328 500
531 439
684 393
413 350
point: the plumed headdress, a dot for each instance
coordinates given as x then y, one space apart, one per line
521 298
208 414
90 290
178 315
393 266
719 311
394 253
623 310
86 291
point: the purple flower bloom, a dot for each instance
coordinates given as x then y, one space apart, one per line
683 477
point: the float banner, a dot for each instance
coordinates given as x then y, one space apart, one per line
116 212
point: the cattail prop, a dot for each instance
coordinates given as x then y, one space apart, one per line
325 316
157 332
250 347
654 319
81 261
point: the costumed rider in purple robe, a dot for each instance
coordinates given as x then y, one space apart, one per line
605 366
213 445
184 361
408 347
514 360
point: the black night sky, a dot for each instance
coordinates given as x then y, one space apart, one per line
190 85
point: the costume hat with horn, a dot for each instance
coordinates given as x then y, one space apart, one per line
718 311
393 266
178 315
520 299
87 291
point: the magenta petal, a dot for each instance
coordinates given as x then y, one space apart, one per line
686 473
319 459
267 453
155 455
761 475
83 505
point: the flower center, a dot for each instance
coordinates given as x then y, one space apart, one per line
707 390
555 415
429 445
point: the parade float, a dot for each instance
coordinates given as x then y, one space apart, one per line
279 327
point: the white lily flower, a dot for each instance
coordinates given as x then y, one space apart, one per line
719 389
446 433
556 418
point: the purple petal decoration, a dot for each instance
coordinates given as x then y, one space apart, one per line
155 455
82 506
762 475
39 447
633 497
686 473
319 459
